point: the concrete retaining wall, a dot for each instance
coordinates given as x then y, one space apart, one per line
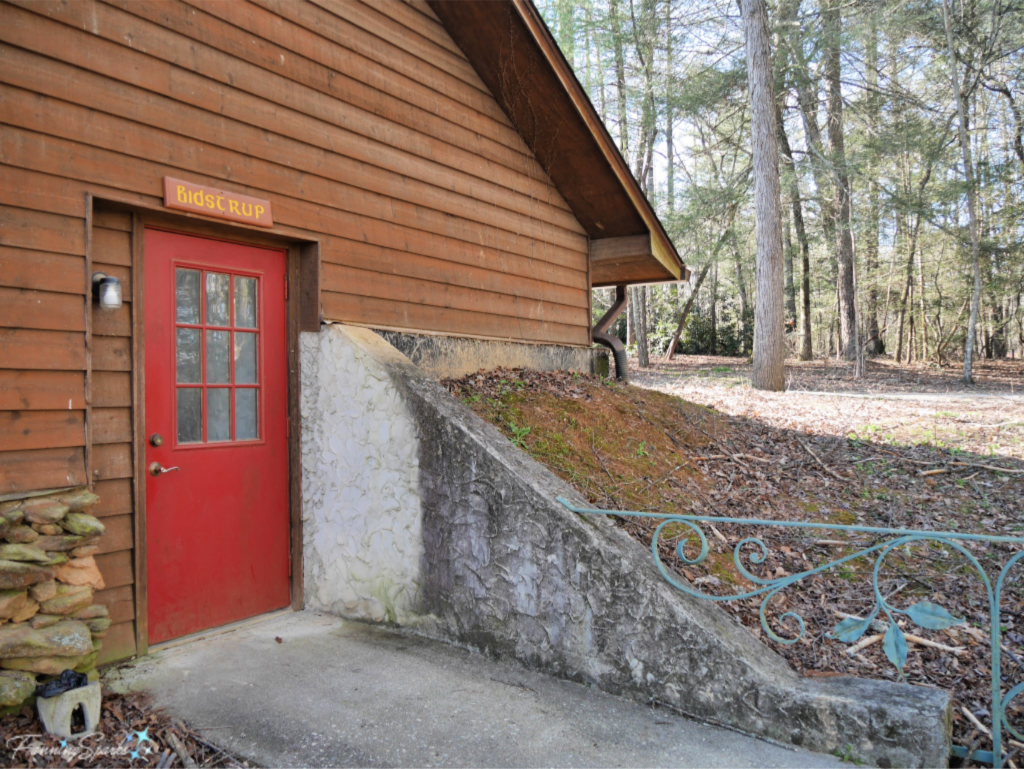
507 570
361 506
451 356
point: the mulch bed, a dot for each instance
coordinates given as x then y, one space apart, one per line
131 734
628 448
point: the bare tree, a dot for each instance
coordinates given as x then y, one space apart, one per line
741 286
806 351
674 341
769 315
972 205
643 358
832 23
874 343
789 27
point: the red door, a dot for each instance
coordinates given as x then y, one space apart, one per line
216 443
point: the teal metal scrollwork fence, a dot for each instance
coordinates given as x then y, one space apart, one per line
925 614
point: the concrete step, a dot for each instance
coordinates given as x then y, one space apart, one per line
342 693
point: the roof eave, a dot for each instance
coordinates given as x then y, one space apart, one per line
662 248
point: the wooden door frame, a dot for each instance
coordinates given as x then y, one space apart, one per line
303 313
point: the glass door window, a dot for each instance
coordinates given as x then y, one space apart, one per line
217 346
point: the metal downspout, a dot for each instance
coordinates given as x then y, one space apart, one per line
599 334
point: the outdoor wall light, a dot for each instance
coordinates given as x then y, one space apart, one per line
107 290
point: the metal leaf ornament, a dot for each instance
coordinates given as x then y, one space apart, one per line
851 629
895 646
931 616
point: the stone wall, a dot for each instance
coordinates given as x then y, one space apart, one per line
505 569
48 621
452 356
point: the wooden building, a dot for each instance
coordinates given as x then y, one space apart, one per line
248 170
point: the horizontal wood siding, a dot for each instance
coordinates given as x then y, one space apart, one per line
362 122
110 431
42 344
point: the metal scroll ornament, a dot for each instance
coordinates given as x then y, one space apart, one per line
924 614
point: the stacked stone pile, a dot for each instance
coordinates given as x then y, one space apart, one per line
48 574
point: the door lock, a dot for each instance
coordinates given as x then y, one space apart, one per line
156 469
156 439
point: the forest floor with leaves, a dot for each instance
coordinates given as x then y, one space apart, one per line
692 437
131 733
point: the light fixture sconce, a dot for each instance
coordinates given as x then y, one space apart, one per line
107 290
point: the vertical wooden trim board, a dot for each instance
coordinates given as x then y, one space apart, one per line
590 302
298 314
139 432
88 338
309 288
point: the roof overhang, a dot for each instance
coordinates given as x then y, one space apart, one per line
515 55
626 260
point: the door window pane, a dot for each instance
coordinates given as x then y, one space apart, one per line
190 415
245 302
217 299
187 356
187 296
218 364
220 356
218 414
245 358
246 424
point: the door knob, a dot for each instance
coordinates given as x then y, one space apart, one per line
156 469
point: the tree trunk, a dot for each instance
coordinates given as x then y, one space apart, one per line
670 152
832 28
599 57
788 249
769 370
614 12
922 305
910 335
644 36
807 98
671 352
642 350
806 346
741 286
566 13
906 301
712 259
1000 347
714 313
972 208
631 316
874 343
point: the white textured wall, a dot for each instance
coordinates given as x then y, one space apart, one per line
362 517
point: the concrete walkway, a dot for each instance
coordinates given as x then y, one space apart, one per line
335 693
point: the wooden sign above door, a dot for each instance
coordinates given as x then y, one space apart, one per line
186 196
